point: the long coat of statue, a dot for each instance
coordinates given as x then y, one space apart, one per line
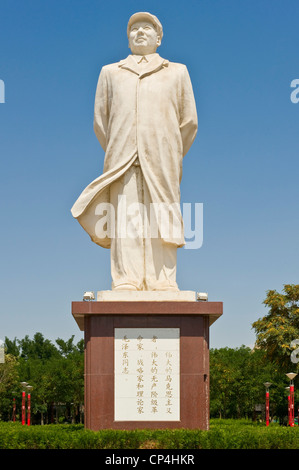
150 114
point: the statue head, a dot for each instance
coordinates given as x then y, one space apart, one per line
144 32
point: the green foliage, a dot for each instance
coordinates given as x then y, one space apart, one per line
55 373
237 378
280 326
8 383
224 434
37 348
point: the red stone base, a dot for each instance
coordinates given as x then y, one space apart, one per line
98 320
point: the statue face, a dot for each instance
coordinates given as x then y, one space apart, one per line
143 38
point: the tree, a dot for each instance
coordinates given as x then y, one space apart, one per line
237 378
12 347
56 374
221 380
236 381
280 326
68 347
37 348
9 382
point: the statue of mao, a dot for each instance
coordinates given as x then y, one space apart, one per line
145 120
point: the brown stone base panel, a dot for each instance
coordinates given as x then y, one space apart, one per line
99 359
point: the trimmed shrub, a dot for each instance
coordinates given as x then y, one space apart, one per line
224 434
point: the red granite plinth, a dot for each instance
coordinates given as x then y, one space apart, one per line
98 321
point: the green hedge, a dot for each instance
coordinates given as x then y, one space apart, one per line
224 434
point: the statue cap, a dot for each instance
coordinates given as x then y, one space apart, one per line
145 16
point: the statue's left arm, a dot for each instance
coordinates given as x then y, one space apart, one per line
188 114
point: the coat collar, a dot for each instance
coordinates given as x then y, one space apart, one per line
152 66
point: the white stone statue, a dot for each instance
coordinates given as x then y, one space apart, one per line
145 120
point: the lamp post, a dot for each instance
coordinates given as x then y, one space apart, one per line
288 390
29 388
291 376
267 385
24 384
14 407
14 410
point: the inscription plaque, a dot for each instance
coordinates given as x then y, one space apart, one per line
147 374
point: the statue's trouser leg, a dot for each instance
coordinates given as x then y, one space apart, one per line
137 259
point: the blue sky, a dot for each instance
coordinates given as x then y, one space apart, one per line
243 165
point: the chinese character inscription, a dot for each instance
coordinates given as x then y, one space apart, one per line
146 374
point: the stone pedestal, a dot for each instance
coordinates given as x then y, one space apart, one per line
146 359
